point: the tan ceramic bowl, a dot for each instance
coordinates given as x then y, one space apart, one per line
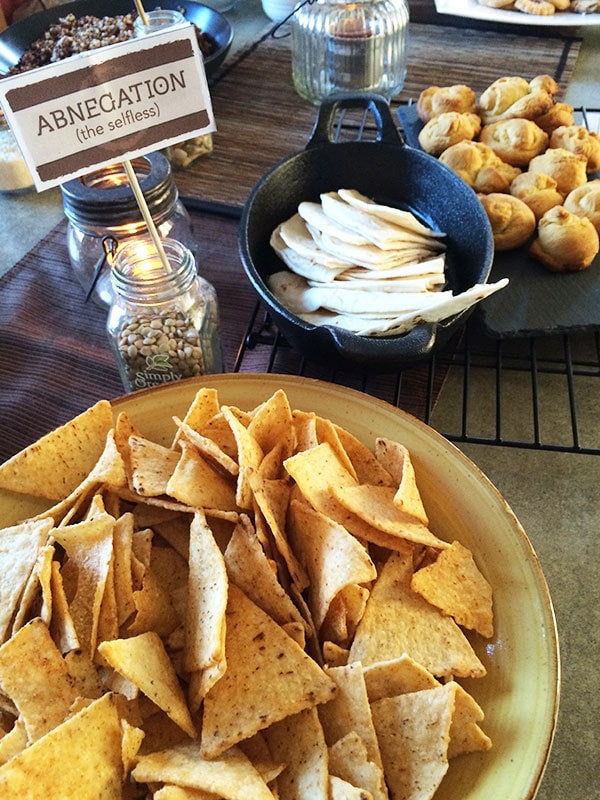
520 692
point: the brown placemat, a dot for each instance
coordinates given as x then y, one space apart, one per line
55 359
260 118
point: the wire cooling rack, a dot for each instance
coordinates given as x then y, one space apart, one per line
537 392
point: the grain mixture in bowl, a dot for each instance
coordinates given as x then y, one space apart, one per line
72 35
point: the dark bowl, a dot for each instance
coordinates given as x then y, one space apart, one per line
21 35
392 173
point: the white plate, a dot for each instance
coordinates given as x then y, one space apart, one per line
520 692
474 10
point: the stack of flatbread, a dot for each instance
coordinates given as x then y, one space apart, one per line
369 268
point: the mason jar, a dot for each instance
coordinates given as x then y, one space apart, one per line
342 47
163 323
102 203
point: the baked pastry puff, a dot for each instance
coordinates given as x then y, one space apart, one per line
438 100
538 191
584 201
447 129
513 98
578 139
513 223
515 141
559 114
568 169
480 167
565 242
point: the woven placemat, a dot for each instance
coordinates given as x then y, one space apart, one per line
261 119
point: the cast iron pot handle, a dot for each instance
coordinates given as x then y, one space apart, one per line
323 131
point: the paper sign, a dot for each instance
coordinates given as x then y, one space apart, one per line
110 104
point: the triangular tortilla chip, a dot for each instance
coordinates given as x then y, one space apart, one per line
368 469
454 584
350 710
208 448
144 661
151 466
272 497
343 790
397 621
93 769
89 549
396 676
268 677
195 483
272 425
397 461
253 573
206 604
413 732
34 675
201 410
333 557
249 456
231 776
465 734
376 506
298 742
348 760
58 462
19 548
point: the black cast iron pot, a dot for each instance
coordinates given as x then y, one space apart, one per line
390 172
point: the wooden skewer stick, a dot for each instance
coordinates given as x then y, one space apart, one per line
141 201
141 11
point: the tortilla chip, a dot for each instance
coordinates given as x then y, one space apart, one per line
268 677
272 425
342 790
349 761
298 742
19 548
231 776
208 448
34 675
195 483
249 456
170 792
58 462
89 549
151 466
397 461
201 410
13 742
144 661
62 627
455 585
253 573
397 676
334 655
333 558
272 498
465 734
305 426
413 731
397 621
377 507
367 467
206 604
349 711
93 770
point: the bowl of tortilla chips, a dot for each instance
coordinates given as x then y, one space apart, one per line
266 586
368 251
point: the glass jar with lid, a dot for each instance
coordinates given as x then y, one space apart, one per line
163 323
349 47
102 203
